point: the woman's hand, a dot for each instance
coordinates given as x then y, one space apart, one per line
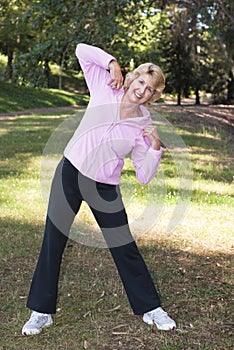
151 132
116 77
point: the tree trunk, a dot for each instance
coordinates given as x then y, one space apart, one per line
9 64
230 88
60 85
197 96
47 73
179 98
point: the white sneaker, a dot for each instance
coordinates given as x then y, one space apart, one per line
160 318
36 322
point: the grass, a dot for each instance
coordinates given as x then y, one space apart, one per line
192 266
17 98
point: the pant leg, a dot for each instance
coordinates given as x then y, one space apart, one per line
136 279
64 203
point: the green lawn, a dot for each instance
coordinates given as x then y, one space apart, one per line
16 98
191 266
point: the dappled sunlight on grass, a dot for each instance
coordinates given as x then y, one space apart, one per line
205 134
13 98
217 187
203 229
191 265
25 138
21 200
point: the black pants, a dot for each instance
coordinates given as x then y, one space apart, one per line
69 189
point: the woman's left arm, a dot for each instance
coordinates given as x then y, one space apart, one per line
146 155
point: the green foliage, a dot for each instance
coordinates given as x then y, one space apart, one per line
220 18
192 40
15 32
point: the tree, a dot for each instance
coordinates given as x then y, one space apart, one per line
14 34
191 40
189 45
112 25
220 18
52 27
176 50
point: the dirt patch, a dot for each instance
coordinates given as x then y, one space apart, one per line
220 115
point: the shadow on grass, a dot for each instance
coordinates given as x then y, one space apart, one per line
24 138
200 116
16 98
195 288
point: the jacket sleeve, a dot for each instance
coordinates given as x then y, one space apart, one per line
145 160
94 63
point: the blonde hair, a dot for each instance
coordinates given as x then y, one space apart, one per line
157 76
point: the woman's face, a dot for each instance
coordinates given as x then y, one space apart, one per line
141 90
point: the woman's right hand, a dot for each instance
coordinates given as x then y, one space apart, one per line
116 77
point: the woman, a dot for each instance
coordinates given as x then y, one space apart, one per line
115 123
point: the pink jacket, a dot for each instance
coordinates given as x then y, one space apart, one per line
102 140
